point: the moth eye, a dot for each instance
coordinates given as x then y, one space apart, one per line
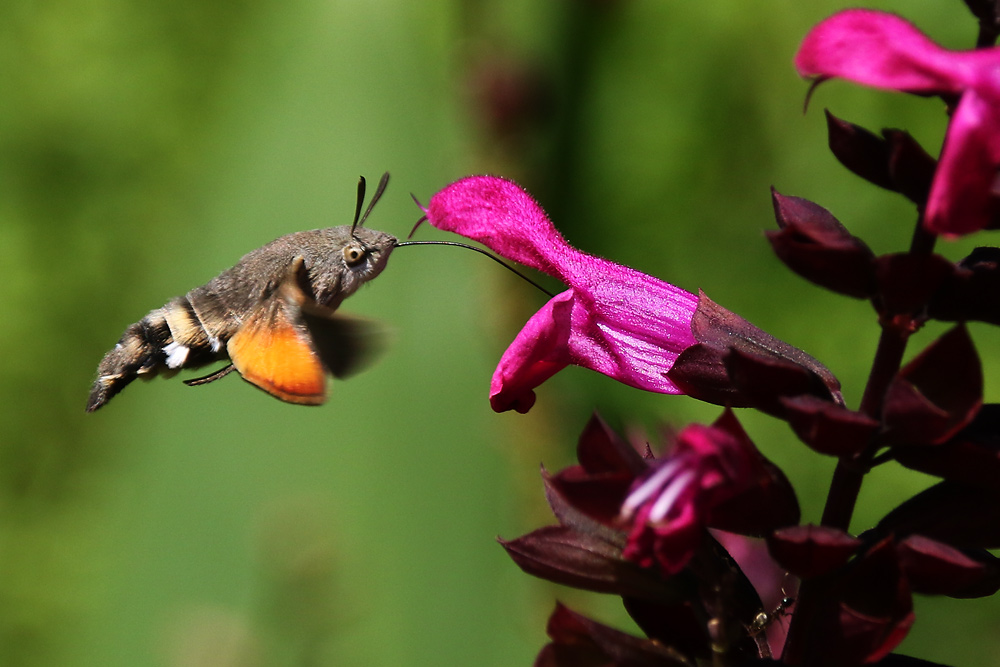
353 254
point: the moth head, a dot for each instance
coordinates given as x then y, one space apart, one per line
366 251
340 262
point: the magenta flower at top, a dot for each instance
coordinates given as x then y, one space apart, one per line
884 51
612 319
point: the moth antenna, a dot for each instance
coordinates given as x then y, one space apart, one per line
361 200
384 181
481 252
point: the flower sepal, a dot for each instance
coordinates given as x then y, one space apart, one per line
829 428
571 557
970 292
961 515
971 456
855 615
765 502
816 246
935 395
935 568
811 551
592 492
577 640
737 364
894 161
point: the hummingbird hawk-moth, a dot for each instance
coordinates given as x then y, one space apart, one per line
272 315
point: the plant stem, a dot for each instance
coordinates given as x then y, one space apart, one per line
849 474
847 478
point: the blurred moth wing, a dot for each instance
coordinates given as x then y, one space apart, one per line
287 346
272 348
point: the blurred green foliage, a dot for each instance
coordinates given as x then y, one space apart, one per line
144 147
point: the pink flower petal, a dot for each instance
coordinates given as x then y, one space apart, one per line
502 216
962 197
613 319
538 352
881 50
634 347
629 326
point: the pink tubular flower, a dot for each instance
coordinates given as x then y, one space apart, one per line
612 319
884 51
669 508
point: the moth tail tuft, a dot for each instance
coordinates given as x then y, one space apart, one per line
104 388
134 355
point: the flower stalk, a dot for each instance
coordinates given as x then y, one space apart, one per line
679 533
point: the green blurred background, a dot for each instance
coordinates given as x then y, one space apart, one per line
146 146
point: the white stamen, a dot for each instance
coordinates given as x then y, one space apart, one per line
649 487
176 354
665 503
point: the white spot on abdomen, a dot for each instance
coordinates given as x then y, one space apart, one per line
176 354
